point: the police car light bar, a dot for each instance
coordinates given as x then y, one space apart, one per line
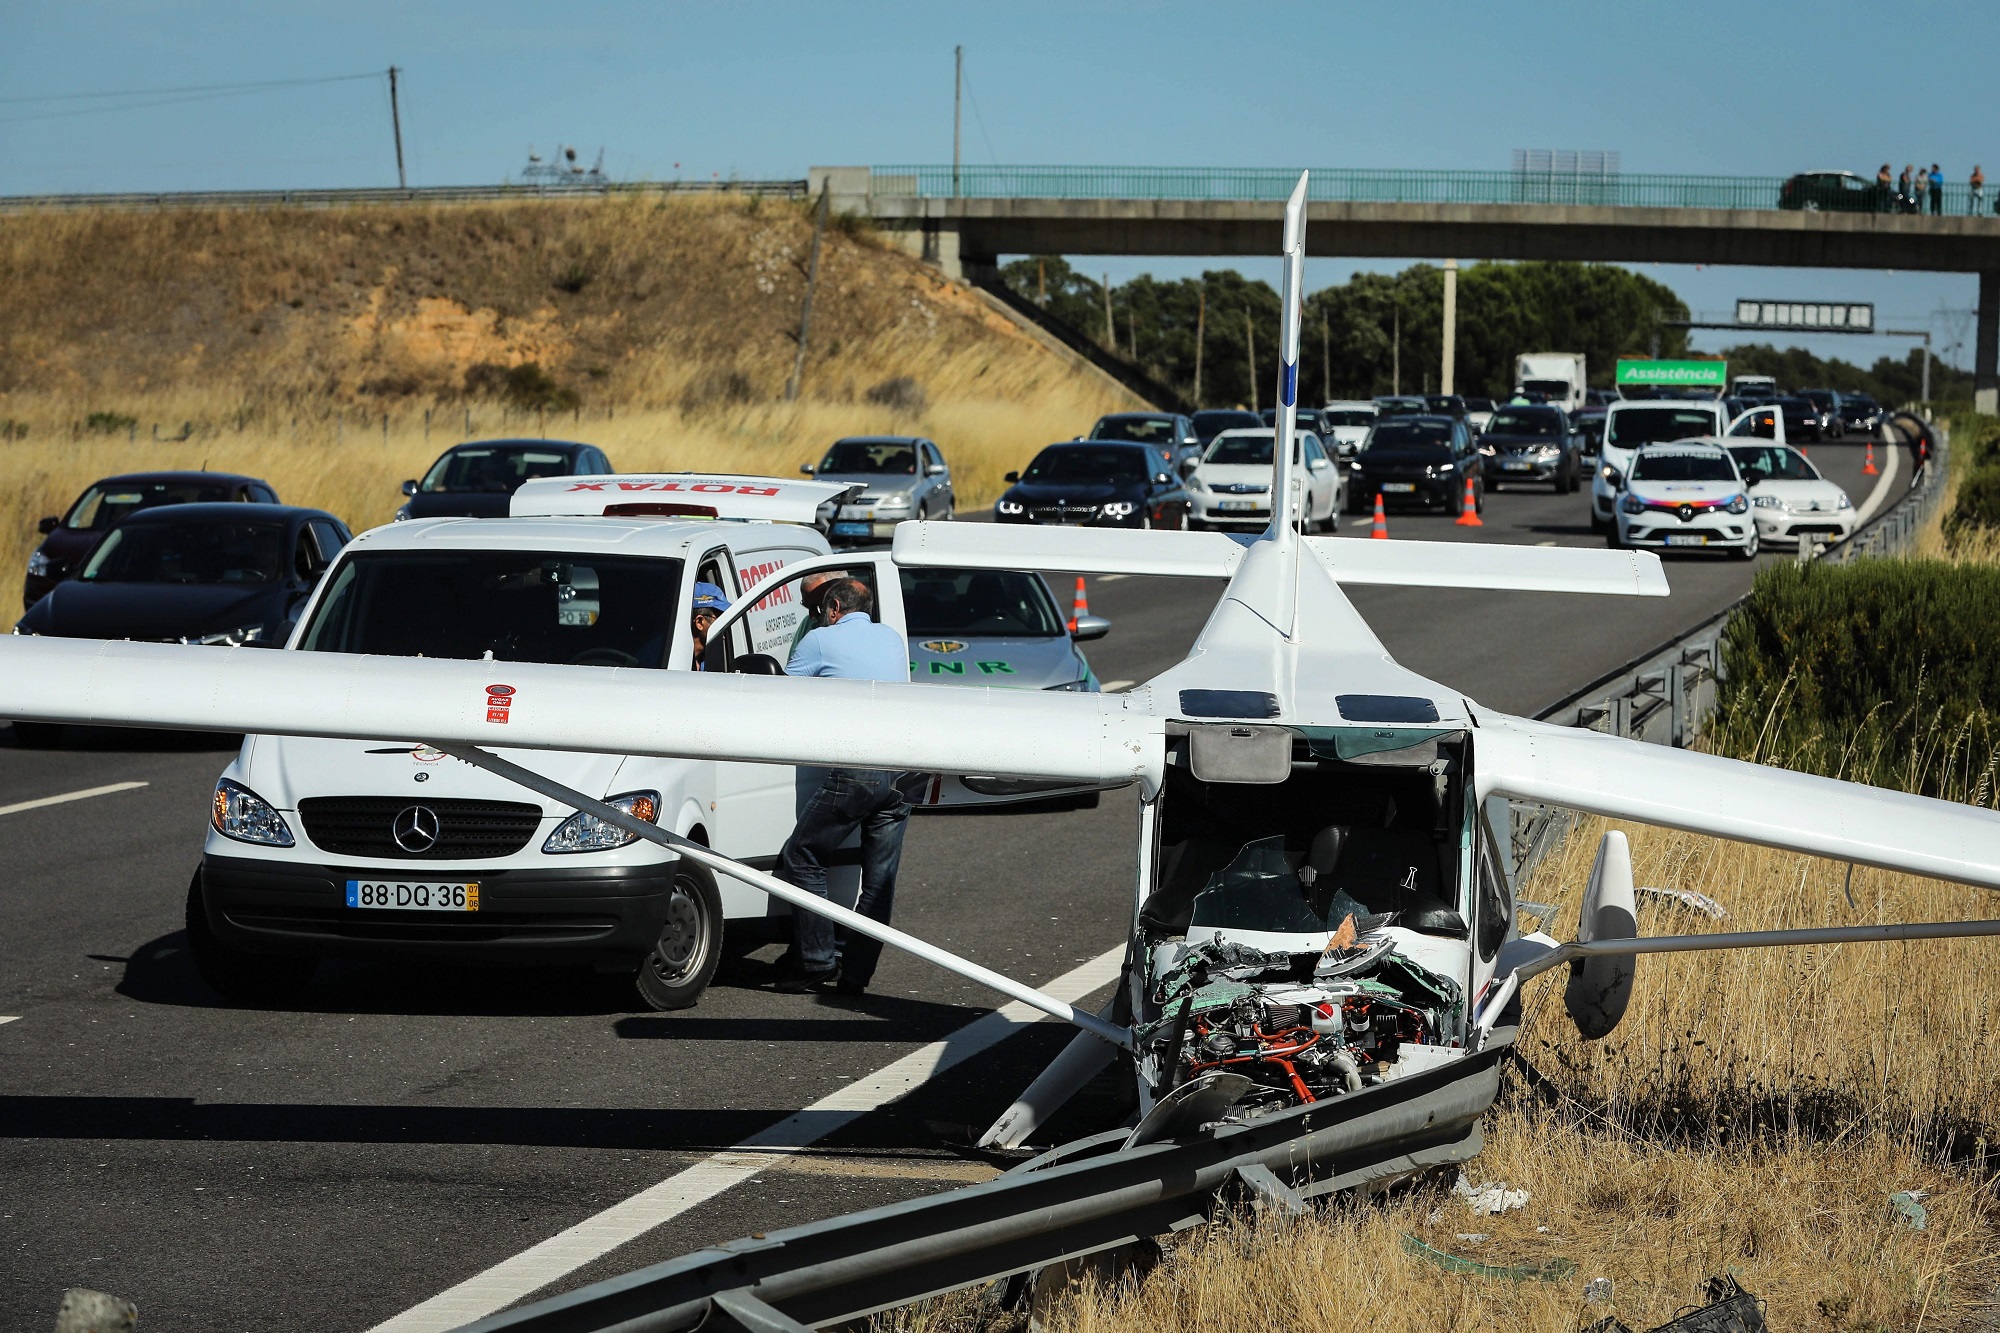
747 499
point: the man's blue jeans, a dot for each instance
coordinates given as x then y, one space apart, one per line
848 799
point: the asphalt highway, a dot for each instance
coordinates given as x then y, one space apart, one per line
332 1165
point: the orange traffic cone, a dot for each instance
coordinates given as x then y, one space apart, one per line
1868 468
1468 511
1079 607
1380 530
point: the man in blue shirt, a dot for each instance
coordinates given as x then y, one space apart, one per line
851 645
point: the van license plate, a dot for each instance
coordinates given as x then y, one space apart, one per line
1399 487
398 896
853 529
1686 539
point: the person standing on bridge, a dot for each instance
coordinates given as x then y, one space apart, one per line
1937 190
1903 189
850 645
1976 203
1921 185
1882 184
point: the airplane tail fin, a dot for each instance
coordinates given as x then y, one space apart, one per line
1283 599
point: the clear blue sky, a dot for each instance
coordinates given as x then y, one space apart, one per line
766 89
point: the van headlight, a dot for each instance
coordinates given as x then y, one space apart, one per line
39 565
585 832
1611 476
239 813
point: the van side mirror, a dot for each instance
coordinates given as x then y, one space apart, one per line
409 488
1012 476
806 469
48 525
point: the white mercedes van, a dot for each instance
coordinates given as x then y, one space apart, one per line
321 848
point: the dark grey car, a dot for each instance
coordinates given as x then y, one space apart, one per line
1534 443
905 477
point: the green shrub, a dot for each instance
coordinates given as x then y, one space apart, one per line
108 423
526 386
1977 506
1881 671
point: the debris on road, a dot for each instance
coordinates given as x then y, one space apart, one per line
1486 1199
86 1311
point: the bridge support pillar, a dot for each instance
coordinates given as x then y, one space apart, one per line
1986 347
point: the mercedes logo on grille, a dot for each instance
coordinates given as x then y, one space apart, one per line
1687 513
415 828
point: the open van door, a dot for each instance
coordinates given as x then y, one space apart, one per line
1764 421
758 633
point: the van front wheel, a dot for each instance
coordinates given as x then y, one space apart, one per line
683 960
253 980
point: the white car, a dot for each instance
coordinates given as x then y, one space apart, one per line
1789 498
1231 485
1631 423
1688 493
1348 423
322 848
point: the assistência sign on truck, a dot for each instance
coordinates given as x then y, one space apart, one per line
1683 374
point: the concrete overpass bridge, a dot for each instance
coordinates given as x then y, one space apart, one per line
964 219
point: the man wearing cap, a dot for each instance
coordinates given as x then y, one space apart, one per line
709 602
847 643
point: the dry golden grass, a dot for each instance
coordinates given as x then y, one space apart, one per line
278 341
1807 1229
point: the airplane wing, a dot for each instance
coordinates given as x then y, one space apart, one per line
1094 738
1218 555
1703 793
1193 555
1353 560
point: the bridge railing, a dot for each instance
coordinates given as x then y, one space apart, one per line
1345 185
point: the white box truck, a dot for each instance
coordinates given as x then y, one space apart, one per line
1557 376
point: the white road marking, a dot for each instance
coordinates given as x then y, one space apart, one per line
534 1268
10 1018
83 795
1878 496
1114 686
1112 578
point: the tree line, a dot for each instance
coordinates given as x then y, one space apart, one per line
1890 381
1374 334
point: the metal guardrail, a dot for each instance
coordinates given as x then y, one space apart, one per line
1086 1197
1666 695
428 194
1345 185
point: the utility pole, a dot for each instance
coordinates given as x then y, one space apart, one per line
1041 280
1250 345
957 103
1110 328
1200 336
806 311
1450 371
1325 359
396 124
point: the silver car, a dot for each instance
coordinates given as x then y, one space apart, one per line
906 478
994 627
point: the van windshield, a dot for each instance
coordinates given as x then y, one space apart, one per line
1634 426
509 606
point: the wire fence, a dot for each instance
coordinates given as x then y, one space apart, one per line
429 194
1367 185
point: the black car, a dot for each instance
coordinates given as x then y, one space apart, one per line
1212 421
1445 405
1831 424
1171 433
1401 406
1801 418
1532 444
1859 412
68 541
1417 460
1588 427
477 480
1834 192
1096 482
224 574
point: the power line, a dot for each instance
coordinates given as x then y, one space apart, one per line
198 88
150 100
979 119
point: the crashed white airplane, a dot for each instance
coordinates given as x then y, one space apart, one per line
1320 905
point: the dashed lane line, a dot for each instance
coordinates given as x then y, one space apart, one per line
83 795
536 1267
